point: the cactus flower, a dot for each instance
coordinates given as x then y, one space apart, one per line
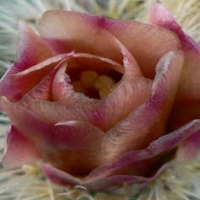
101 103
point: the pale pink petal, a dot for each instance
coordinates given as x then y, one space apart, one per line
63 91
79 32
147 122
145 42
28 55
146 158
75 106
114 184
19 150
160 16
188 95
70 31
63 144
60 177
189 148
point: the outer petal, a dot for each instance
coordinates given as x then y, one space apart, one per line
188 96
160 16
143 158
63 144
59 176
19 150
189 148
80 32
28 55
148 122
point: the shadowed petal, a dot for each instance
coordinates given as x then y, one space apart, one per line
148 121
142 157
19 150
60 177
114 184
28 55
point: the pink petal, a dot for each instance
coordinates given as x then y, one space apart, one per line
28 55
62 89
19 150
148 43
160 16
140 158
113 184
147 122
79 32
75 106
189 148
63 144
188 95
60 177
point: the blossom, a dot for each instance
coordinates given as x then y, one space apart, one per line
100 102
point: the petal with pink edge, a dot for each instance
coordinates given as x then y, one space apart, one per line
19 150
113 184
188 96
160 16
75 106
28 55
60 177
77 32
147 122
80 32
63 144
140 158
189 148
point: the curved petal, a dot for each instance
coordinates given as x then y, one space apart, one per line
28 55
63 144
60 177
75 106
80 32
160 16
19 150
77 32
113 184
148 122
188 96
143 158
189 148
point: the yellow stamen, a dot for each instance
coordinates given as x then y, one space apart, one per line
88 78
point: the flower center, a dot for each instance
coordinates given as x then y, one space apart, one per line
93 84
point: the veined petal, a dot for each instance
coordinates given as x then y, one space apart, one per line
158 41
62 144
80 31
147 122
188 95
143 158
77 32
160 16
28 55
75 106
19 150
